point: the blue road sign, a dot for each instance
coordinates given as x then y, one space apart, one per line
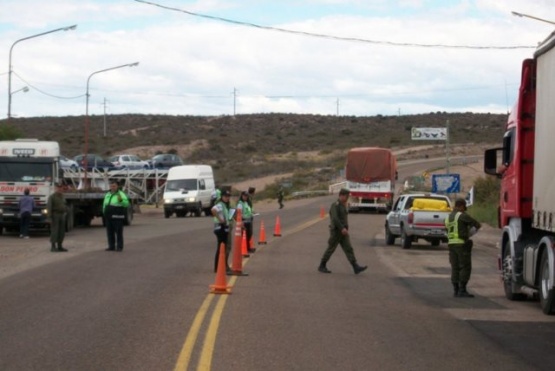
446 183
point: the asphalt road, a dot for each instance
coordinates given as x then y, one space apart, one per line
149 308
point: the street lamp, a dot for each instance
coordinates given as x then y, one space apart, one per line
87 112
24 89
10 62
532 17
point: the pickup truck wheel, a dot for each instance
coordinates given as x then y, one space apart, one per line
406 241
389 237
167 214
508 267
435 242
547 293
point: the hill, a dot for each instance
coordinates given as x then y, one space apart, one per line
250 146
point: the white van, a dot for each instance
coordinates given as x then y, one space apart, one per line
188 189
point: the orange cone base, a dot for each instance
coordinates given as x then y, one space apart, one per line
277 235
246 256
215 289
262 243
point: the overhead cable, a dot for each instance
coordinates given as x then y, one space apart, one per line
354 39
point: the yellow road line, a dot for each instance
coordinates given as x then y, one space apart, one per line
190 340
205 361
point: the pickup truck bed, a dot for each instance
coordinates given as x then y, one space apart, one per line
418 216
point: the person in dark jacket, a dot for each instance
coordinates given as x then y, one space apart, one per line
114 208
26 206
57 212
339 234
459 225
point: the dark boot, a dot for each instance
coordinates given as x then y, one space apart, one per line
53 248
455 289
61 248
463 293
322 268
357 268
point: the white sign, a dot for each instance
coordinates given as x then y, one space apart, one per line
429 134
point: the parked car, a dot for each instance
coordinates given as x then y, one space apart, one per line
66 163
165 161
128 162
94 162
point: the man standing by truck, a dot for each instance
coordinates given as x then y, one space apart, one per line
114 209
458 225
57 210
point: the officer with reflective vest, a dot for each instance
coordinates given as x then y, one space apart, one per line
114 209
222 216
247 216
459 225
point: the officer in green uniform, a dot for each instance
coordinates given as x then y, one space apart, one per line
57 210
458 225
339 234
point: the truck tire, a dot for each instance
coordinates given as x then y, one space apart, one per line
406 241
389 237
547 293
128 216
167 214
198 210
70 219
435 242
508 267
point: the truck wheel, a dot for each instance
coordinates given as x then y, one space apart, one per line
208 211
508 268
435 242
198 210
547 293
389 237
167 214
406 241
128 216
1 230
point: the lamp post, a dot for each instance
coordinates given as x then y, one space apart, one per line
87 112
532 17
10 62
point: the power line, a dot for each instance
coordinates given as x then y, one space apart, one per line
355 39
45 93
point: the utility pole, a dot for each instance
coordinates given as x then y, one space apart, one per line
104 117
447 146
337 107
234 101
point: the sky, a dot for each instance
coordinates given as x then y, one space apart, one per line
225 57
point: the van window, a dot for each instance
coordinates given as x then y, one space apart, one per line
201 184
179 184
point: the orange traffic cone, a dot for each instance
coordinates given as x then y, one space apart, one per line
244 251
237 265
262 234
251 244
322 212
220 286
277 228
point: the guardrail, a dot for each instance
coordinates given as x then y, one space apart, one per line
302 194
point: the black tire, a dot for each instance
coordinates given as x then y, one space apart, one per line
547 294
435 242
167 214
128 216
508 267
389 237
198 211
406 241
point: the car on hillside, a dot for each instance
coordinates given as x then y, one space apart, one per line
93 162
165 161
67 163
128 162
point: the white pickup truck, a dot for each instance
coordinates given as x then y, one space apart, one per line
418 216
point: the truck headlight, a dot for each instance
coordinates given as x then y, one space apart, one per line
191 199
44 211
168 200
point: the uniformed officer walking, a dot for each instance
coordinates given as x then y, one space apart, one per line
339 234
458 225
57 211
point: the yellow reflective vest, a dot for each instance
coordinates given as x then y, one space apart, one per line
453 230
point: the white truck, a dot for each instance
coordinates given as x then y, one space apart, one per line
34 164
188 189
418 216
370 173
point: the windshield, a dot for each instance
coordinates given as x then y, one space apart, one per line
25 172
177 184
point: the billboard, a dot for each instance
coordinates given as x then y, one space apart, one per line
429 133
446 183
